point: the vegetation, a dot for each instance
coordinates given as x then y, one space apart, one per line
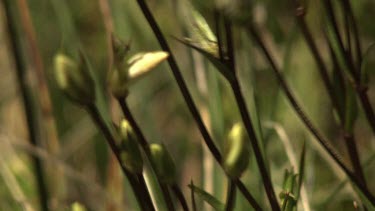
187 105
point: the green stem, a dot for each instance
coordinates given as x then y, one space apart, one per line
231 196
31 121
188 98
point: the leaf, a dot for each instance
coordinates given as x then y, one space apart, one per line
194 204
211 200
223 68
301 170
364 69
351 109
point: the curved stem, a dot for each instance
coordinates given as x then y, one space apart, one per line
231 196
146 193
177 191
323 141
187 96
133 180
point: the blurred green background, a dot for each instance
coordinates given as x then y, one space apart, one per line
80 169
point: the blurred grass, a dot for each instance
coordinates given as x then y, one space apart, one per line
160 110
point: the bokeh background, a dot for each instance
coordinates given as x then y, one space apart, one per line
77 164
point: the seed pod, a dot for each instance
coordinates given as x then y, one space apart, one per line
163 164
130 153
75 80
236 152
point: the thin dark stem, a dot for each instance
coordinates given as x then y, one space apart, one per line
31 121
141 138
247 195
255 145
332 19
298 109
355 71
349 11
167 194
366 104
235 85
231 196
180 80
187 96
319 60
180 196
133 180
146 193
354 157
350 143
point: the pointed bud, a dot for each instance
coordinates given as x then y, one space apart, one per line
130 155
119 49
163 164
236 152
137 67
75 80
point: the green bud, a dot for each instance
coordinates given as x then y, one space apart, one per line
236 152
125 74
75 80
162 163
120 50
131 156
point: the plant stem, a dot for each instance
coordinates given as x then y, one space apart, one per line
142 183
231 196
143 202
177 191
168 200
354 157
349 138
31 121
255 145
241 103
247 121
247 195
355 71
143 142
323 141
187 96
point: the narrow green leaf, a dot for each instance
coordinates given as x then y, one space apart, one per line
301 170
332 38
193 202
207 197
223 68
351 109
